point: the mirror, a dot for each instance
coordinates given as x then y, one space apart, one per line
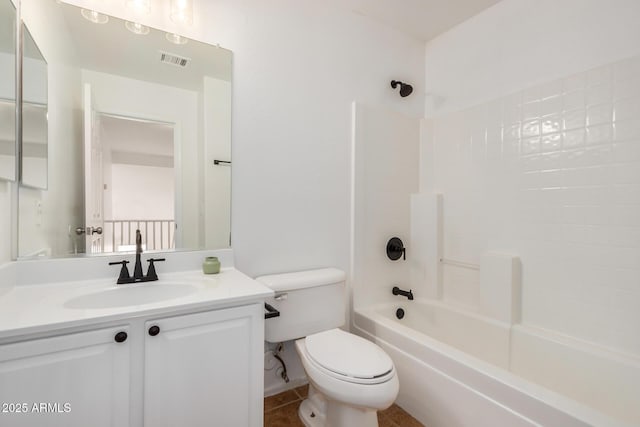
7 90
133 124
34 115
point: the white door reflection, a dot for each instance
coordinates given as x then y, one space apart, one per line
138 182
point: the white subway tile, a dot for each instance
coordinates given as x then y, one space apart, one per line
581 177
531 110
624 152
574 233
529 163
530 128
553 160
553 172
599 94
574 119
599 114
530 180
625 173
627 109
551 106
627 88
574 138
587 196
551 124
627 130
574 100
626 194
530 146
601 134
551 142
618 236
512 132
551 179
510 149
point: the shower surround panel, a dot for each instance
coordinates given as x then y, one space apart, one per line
552 174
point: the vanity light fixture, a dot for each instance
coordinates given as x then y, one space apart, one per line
93 16
137 28
139 6
176 39
182 11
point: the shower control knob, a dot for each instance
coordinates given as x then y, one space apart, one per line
154 330
396 249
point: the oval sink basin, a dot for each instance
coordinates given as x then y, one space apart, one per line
126 295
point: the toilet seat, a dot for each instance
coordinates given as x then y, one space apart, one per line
348 357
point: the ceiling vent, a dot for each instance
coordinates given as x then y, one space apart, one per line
171 59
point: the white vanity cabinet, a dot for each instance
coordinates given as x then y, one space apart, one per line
69 380
204 369
188 369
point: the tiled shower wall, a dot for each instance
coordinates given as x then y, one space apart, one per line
552 174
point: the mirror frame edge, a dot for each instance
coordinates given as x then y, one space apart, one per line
14 199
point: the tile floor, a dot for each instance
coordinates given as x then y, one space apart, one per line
281 410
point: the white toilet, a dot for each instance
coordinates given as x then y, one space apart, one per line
350 378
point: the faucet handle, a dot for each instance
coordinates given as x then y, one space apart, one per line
151 272
138 242
124 276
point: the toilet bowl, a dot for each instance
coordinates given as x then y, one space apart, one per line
350 378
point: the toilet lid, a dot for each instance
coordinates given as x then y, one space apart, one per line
348 355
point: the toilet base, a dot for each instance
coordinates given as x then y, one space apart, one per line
316 411
310 415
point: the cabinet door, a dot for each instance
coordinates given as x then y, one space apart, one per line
71 380
205 369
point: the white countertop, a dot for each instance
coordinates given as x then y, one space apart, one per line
35 309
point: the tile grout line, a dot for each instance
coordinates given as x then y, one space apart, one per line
281 406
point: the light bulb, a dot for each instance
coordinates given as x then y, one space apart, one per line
139 6
137 28
182 11
176 39
93 16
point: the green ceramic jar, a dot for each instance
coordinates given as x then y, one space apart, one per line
211 265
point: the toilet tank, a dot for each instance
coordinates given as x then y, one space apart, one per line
308 301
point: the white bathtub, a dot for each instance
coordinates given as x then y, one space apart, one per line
461 369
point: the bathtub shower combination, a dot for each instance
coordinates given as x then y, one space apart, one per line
458 368
470 343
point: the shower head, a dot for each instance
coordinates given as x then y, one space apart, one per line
405 88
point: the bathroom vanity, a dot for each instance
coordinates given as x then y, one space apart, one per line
185 350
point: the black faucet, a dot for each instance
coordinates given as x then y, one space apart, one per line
124 276
397 291
137 270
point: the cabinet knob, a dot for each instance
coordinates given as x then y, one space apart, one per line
154 330
121 337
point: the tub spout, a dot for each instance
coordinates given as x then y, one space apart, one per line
397 291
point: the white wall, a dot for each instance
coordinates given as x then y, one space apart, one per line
535 148
386 146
